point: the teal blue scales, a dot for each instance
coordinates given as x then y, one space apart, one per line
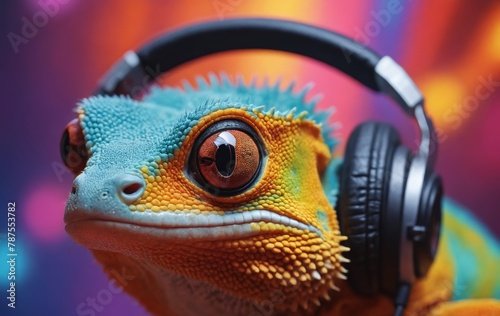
475 253
147 213
158 124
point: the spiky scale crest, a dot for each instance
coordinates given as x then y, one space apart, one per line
223 91
155 135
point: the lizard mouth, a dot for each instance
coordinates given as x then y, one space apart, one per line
187 226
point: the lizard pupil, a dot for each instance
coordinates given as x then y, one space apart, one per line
225 159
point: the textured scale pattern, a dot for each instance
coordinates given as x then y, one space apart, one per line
166 123
276 247
285 188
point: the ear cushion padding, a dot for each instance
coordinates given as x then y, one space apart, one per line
364 182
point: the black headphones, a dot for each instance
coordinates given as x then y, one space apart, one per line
389 204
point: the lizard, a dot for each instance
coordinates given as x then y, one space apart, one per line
220 200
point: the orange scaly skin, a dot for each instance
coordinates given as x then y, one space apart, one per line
299 263
192 252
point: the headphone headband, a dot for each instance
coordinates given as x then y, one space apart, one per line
413 192
381 74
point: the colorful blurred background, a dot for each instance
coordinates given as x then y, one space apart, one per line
450 48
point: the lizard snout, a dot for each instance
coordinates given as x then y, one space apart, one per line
104 192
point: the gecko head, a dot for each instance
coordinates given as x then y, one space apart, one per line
211 185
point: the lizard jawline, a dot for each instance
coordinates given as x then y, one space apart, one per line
176 227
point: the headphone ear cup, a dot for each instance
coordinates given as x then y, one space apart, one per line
430 217
364 179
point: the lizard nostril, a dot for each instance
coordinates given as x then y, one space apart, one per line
73 189
130 187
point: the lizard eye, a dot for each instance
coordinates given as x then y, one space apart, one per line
226 158
73 150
